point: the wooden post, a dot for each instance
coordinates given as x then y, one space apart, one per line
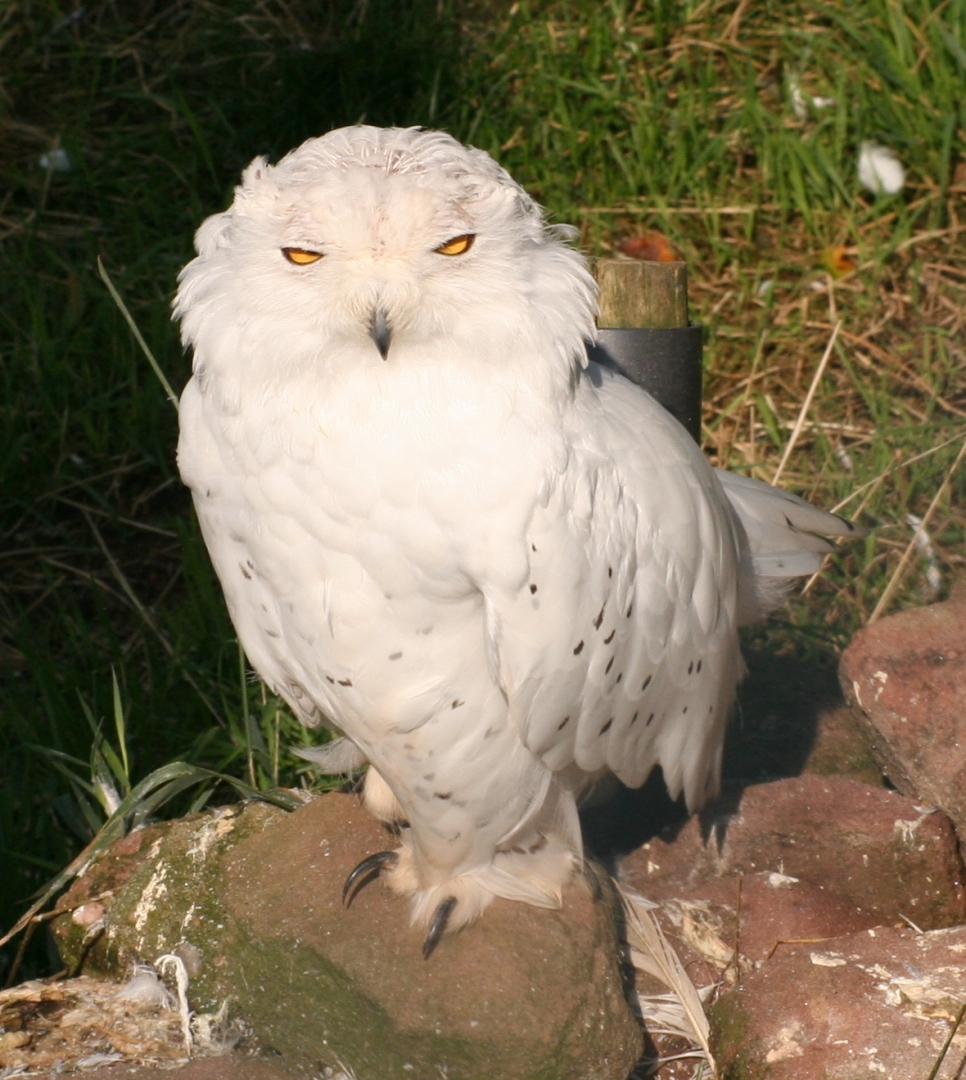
652 295
643 332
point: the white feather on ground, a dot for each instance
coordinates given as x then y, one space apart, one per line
681 1011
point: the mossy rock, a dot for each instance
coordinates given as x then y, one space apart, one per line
739 1057
250 898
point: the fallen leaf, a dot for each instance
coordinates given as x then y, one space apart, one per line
838 261
651 246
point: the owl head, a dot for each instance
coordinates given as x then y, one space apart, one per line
383 245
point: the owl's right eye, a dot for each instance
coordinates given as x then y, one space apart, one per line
301 257
459 245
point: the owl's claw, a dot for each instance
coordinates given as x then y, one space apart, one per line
438 926
364 873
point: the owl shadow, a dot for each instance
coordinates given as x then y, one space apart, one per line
772 735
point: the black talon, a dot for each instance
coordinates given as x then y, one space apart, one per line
367 870
438 926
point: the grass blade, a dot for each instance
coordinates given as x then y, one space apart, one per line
806 404
900 570
116 297
120 728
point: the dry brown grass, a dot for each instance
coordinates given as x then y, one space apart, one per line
889 413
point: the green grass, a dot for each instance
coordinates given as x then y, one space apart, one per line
617 119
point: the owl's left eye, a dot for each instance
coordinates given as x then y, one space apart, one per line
300 256
459 245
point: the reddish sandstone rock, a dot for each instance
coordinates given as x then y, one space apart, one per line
874 854
906 675
842 747
755 913
879 1003
107 875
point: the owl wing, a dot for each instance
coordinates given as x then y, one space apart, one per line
620 651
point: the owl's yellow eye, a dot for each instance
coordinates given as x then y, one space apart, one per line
459 245
300 256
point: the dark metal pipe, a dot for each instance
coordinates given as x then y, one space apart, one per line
667 363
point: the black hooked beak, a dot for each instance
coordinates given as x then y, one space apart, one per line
381 332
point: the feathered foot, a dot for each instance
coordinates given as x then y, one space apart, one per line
369 869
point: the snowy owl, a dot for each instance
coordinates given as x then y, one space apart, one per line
498 571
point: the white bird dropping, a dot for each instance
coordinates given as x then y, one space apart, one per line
880 171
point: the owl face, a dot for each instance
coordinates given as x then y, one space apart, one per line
379 242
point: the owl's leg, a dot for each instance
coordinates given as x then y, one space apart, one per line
379 799
383 805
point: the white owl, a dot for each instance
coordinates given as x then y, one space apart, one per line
499 571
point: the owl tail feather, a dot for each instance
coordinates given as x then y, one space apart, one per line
779 540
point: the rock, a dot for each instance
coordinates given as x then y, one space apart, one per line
251 897
803 859
906 675
165 865
875 850
754 913
842 747
879 1003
